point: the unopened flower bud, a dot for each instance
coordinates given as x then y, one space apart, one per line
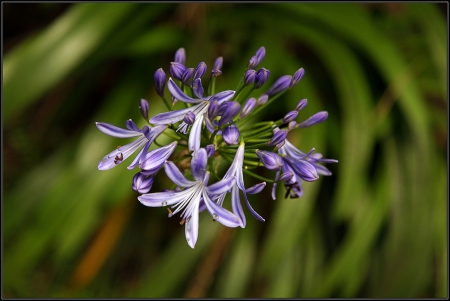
197 88
231 135
160 81
262 99
216 70
186 79
278 137
144 108
249 105
210 150
289 117
249 77
313 120
189 118
301 105
213 109
253 62
270 160
261 77
292 125
142 183
260 54
180 56
227 111
296 77
280 85
177 70
286 176
200 70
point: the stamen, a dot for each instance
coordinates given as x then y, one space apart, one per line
182 221
118 159
170 212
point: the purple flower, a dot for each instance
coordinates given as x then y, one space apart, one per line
290 116
296 77
249 77
227 111
216 70
142 183
199 109
253 62
262 99
177 70
235 170
186 79
231 134
260 54
180 56
189 198
152 161
145 138
270 160
279 86
160 82
261 77
301 104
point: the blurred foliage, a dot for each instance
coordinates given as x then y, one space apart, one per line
376 228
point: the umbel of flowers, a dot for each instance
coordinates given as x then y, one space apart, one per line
212 126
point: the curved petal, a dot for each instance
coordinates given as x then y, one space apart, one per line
256 188
236 206
154 160
322 170
274 187
159 199
176 176
221 96
198 164
221 187
119 155
137 159
252 211
178 94
195 134
220 214
191 228
115 131
170 117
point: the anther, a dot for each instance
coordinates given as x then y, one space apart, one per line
182 221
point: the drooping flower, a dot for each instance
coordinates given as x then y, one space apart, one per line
199 110
145 137
189 198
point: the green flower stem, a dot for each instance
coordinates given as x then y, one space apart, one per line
167 103
171 135
257 176
211 86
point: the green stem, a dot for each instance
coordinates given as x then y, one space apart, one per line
257 176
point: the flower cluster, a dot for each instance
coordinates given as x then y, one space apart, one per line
212 127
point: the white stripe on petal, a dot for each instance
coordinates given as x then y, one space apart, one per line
220 214
158 199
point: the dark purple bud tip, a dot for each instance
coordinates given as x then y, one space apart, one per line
200 70
290 116
277 137
313 120
177 70
249 77
280 85
231 135
249 105
160 81
297 77
186 79
144 106
180 56
270 160
301 105
210 150
189 118
261 77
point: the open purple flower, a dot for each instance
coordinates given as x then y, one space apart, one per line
200 110
235 170
189 198
145 138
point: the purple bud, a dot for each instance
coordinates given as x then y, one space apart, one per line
261 77
301 105
248 107
262 99
186 79
177 70
132 126
297 77
292 125
260 54
277 137
152 161
142 183
279 145
160 81
213 109
253 62
144 108
270 160
231 135
302 168
280 85
313 120
189 118
286 176
180 56
200 70
256 188
197 88
210 150
249 77
227 111
216 71
289 117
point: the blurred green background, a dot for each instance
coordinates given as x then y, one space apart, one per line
377 228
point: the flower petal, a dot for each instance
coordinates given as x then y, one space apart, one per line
154 160
195 134
115 131
112 159
221 96
222 186
159 199
236 206
256 188
220 214
191 228
176 176
178 94
170 117
198 164
252 211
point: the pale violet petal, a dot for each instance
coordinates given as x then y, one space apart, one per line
178 94
252 211
198 164
220 214
256 188
221 96
171 117
115 131
221 187
191 227
236 206
274 187
195 134
176 176
158 199
119 155
154 160
136 160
